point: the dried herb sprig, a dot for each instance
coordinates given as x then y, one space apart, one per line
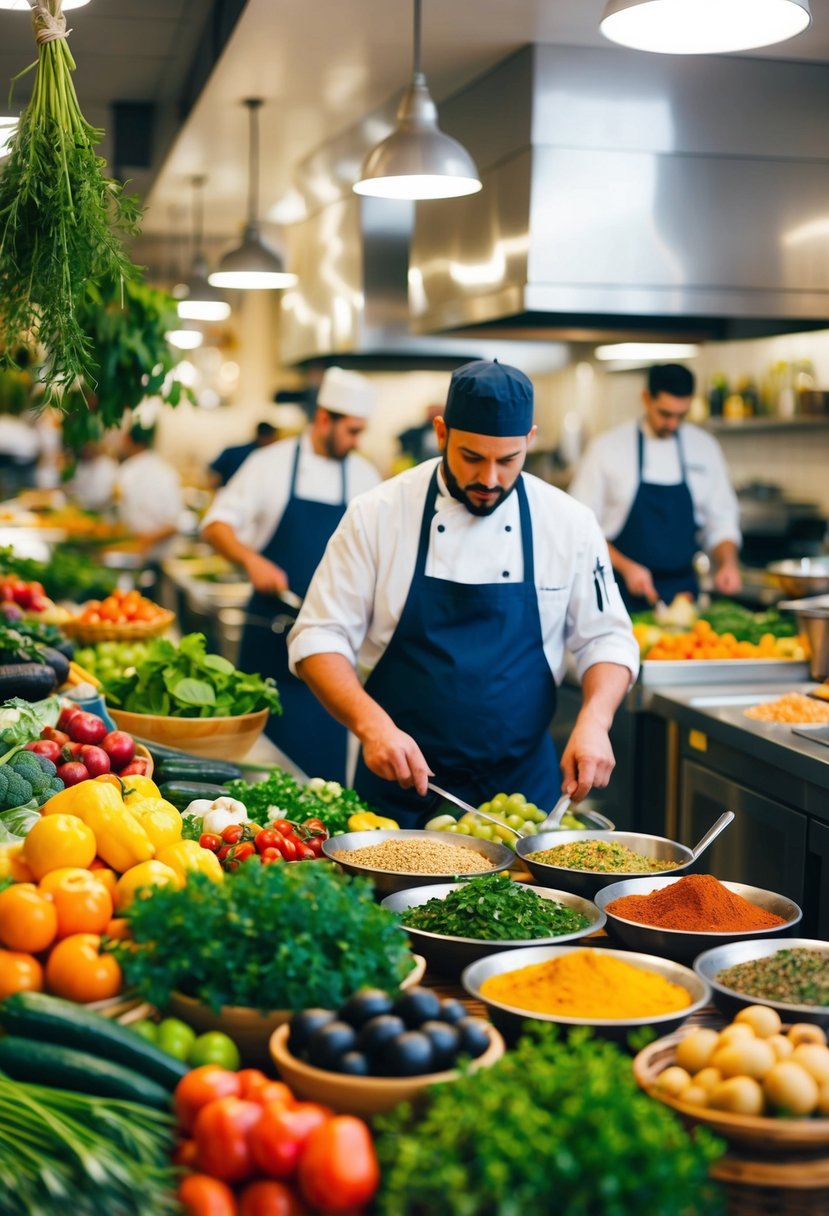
62 220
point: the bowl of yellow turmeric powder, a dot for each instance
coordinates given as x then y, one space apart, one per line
613 991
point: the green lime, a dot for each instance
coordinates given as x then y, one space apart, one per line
147 1029
214 1047
176 1038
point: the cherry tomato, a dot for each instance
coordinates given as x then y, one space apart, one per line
275 1093
211 841
222 1132
232 833
279 1137
316 827
282 825
268 1198
315 845
200 1195
339 1169
251 1081
200 1086
268 838
243 850
225 851
288 849
269 856
304 853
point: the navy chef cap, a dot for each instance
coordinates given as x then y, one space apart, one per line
489 398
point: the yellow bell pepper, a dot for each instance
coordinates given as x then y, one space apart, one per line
136 788
12 864
159 819
56 841
146 874
187 857
120 839
367 821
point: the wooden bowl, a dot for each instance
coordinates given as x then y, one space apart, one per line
765 1132
220 738
250 1029
90 632
363 1095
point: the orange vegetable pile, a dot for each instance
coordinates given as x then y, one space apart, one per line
701 642
119 608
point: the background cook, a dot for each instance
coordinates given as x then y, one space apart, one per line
459 583
274 518
660 489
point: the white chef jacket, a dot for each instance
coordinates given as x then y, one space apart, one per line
607 478
149 493
93 484
254 499
358 593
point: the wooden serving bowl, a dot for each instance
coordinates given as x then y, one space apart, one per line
228 738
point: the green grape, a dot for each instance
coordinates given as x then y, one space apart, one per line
533 813
516 802
499 803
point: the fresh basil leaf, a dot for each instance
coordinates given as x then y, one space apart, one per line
216 662
193 692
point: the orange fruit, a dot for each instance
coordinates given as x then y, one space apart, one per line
54 878
118 928
28 920
77 971
19 973
83 904
57 841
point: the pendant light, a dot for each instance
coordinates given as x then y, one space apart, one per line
198 300
418 160
703 27
252 264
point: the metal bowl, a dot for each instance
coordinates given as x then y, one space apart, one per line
588 882
679 944
386 882
812 616
449 955
510 1019
801 576
709 965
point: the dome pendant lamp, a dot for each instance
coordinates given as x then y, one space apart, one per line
252 265
418 161
198 300
703 27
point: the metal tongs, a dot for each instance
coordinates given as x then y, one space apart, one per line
552 820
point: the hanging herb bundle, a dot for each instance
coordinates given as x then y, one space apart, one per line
62 220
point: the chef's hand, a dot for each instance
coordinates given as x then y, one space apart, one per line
394 755
727 579
639 581
588 759
265 575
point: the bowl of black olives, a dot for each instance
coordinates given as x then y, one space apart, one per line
377 1050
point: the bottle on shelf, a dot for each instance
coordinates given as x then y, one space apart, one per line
717 393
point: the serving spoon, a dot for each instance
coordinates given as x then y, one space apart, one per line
711 834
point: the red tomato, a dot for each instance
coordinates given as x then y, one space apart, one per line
251 1080
316 827
284 826
200 1086
269 856
268 838
338 1169
265 1198
222 1133
200 1195
278 1139
243 850
305 853
288 849
210 840
184 1154
232 833
275 1093
315 845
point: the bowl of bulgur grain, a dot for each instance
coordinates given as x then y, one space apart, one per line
407 857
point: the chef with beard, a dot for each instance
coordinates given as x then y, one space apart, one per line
455 589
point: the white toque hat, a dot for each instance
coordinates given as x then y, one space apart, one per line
345 392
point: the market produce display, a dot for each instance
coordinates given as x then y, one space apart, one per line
697 903
243 841
68 574
793 976
28 668
494 908
81 746
601 856
724 631
175 1038
120 608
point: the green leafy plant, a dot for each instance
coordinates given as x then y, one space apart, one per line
554 1126
69 574
184 681
494 908
62 220
280 796
268 937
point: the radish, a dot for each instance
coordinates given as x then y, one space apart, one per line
95 758
73 773
120 747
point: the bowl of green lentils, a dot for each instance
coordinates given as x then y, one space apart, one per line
791 976
584 862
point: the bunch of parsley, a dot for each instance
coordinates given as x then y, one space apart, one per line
268 937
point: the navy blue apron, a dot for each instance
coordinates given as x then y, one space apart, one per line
660 533
304 731
466 676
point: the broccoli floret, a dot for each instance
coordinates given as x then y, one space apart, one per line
46 765
25 763
39 783
4 787
19 790
55 785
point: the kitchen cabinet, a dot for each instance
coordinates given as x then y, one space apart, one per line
816 912
765 846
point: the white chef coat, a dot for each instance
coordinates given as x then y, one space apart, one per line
358 593
149 492
94 481
607 478
254 499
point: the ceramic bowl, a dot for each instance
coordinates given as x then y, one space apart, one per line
510 1018
386 882
709 965
363 1095
679 944
449 955
219 738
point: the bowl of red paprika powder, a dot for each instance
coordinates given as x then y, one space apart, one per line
678 918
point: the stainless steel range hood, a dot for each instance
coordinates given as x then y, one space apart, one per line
633 195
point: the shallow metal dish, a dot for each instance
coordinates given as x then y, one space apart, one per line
801 576
729 1001
679 944
588 882
509 1019
388 881
449 955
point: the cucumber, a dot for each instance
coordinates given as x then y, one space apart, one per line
30 681
65 1068
195 768
35 1015
182 793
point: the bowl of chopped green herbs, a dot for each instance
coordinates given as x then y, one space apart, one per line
584 862
453 924
792 977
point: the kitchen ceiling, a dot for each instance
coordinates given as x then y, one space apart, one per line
320 66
